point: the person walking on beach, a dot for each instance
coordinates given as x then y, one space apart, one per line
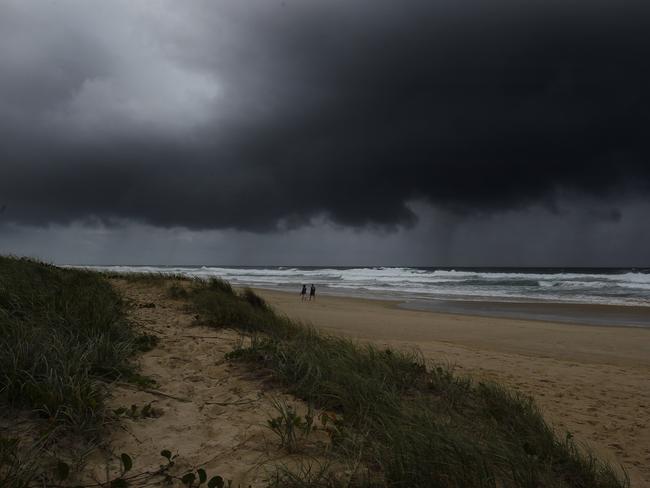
312 293
303 293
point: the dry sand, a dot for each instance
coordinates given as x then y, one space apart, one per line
214 413
593 381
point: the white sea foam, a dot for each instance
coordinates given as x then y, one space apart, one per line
625 287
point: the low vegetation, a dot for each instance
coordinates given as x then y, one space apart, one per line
63 336
63 333
409 425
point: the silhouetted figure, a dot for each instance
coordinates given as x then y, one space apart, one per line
303 293
312 293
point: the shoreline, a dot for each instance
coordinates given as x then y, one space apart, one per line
619 296
380 319
586 314
573 313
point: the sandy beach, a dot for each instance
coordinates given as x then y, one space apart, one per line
593 381
213 412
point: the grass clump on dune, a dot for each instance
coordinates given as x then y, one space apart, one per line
62 333
218 304
409 425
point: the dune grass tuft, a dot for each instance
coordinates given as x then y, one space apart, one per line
63 332
412 426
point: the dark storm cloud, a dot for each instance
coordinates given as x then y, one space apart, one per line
254 115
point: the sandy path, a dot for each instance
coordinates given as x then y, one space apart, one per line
594 381
221 424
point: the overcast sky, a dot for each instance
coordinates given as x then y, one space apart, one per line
374 132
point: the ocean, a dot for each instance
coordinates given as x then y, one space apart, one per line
623 286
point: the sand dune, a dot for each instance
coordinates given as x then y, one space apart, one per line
214 413
593 381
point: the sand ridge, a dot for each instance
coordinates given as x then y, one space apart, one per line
593 381
214 413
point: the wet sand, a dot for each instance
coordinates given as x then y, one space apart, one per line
570 313
591 380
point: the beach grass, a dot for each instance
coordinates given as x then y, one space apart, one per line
64 336
63 333
410 424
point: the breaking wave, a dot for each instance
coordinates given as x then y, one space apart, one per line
622 287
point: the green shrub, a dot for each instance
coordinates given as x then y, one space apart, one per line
222 286
254 299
